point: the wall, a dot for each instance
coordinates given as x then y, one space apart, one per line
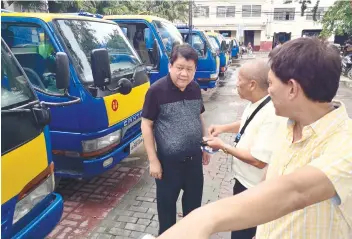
264 26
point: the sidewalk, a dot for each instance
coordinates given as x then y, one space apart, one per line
346 81
136 213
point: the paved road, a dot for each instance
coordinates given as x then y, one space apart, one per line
122 204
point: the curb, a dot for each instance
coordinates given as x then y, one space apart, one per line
346 81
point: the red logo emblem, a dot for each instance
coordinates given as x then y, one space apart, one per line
114 105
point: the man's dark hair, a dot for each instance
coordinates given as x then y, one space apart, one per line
314 64
183 50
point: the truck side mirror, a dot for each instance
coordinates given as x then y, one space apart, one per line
125 86
223 46
100 64
42 115
62 71
156 54
205 48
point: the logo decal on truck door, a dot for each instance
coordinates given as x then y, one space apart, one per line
114 105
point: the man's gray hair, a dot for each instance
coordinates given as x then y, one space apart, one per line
257 70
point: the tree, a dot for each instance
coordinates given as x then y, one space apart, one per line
315 9
64 6
27 5
338 19
171 10
304 6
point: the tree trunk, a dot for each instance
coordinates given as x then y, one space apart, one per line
315 9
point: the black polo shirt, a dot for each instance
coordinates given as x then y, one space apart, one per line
176 117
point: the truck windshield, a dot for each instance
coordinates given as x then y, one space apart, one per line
209 43
15 89
17 127
168 33
83 36
213 42
221 38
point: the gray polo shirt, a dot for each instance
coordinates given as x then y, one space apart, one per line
176 117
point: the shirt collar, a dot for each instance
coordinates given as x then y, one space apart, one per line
325 124
256 104
332 120
174 87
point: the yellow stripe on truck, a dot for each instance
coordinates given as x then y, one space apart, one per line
217 63
120 107
21 165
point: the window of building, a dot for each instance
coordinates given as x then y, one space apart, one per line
201 11
226 11
251 10
319 15
284 14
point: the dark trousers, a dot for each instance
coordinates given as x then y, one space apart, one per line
246 233
185 174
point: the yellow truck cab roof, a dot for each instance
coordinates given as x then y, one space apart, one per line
48 17
214 34
148 18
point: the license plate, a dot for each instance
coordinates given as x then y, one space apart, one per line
135 143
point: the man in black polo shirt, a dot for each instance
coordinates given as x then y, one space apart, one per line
172 119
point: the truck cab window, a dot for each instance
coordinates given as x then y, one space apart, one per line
35 52
142 39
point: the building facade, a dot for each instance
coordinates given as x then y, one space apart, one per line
263 23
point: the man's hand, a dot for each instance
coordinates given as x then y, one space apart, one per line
214 130
155 169
214 142
206 158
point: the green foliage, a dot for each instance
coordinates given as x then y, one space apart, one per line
171 10
64 6
338 19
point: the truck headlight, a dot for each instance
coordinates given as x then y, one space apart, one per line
102 142
214 76
27 203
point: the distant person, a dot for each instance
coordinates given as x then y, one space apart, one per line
249 48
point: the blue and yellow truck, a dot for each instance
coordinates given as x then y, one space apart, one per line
29 206
208 65
218 42
106 76
153 38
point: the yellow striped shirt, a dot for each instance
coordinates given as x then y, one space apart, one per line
327 145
